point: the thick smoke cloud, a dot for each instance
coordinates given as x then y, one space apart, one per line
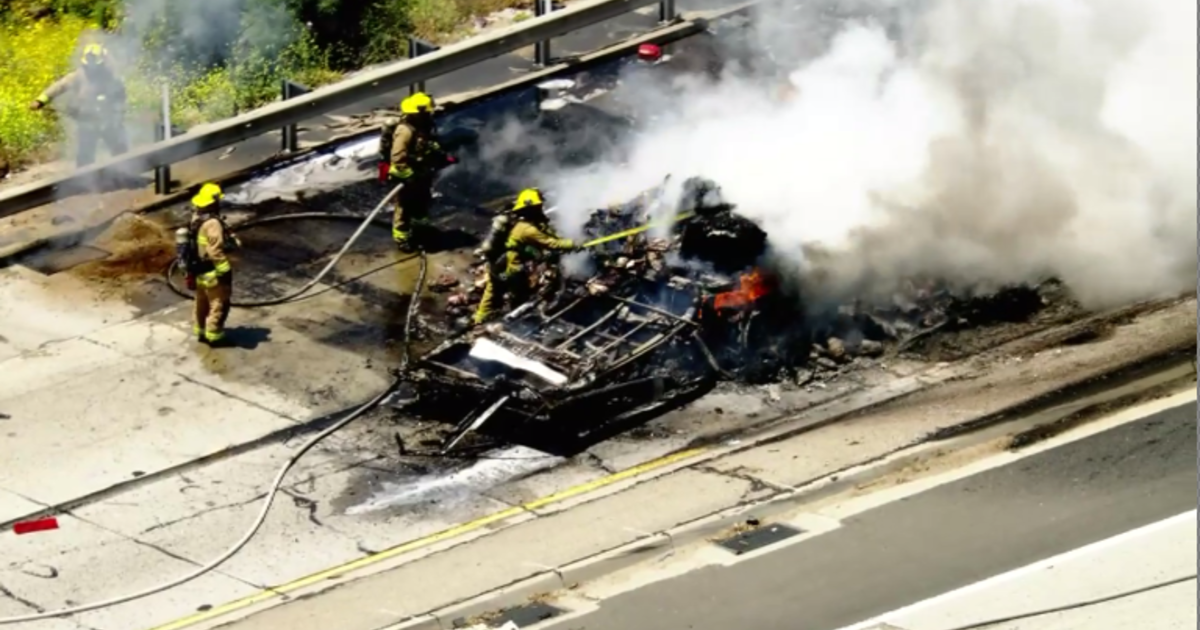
981 142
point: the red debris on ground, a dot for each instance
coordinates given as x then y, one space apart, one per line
38 525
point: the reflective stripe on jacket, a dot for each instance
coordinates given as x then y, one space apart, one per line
412 152
88 97
526 241
211 245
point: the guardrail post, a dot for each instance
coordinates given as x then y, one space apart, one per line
416 48
367 85
291 139
162 174
666 11
541 50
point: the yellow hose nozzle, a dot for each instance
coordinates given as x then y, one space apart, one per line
636 230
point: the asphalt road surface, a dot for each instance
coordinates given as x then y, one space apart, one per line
937 541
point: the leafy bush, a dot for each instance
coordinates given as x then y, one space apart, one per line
33 53
218 57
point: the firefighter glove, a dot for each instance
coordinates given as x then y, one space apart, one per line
210 279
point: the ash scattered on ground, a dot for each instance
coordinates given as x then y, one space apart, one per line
138 248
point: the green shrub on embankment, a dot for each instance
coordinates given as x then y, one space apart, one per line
219 57
33 53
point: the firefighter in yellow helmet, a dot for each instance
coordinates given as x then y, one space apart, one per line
94 98
209 265
528 238
415 157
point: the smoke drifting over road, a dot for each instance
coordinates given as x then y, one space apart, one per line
982 142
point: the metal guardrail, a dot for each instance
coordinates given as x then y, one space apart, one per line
284 114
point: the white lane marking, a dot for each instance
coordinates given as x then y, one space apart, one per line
844 508
1040 565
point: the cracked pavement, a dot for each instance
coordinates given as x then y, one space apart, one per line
162 451
99 399
158 452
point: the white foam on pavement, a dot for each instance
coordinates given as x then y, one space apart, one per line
446 488
325 171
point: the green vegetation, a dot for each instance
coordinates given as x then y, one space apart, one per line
219 57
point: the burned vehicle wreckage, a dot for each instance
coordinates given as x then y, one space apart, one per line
668 311
666 314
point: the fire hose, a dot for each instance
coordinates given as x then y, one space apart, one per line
277 484
293 296
633 231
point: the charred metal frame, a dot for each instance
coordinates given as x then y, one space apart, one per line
590 366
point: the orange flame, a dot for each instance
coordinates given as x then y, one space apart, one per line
754 286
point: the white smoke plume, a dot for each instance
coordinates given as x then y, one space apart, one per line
161 41
981 142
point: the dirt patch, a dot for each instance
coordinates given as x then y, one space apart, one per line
139 248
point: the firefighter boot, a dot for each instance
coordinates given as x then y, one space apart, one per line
221 342
403 242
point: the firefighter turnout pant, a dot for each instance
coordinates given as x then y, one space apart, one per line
515 286
92 133
211 306
410 222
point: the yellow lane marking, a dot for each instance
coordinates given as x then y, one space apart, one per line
441 536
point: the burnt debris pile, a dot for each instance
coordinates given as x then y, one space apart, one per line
844 334
673 296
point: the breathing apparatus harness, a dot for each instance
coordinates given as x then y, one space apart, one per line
495 245
206 205
529 206
434 157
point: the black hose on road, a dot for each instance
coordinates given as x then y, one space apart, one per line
277 484
170 273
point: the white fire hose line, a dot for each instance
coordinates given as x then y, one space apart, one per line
269 500
370 218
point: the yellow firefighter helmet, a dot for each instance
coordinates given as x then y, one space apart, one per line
94 55
529 198
417 103
209 194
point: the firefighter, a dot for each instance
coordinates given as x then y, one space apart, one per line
415 159
527 237
210 267
95 99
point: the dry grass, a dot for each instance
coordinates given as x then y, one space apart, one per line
443 21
